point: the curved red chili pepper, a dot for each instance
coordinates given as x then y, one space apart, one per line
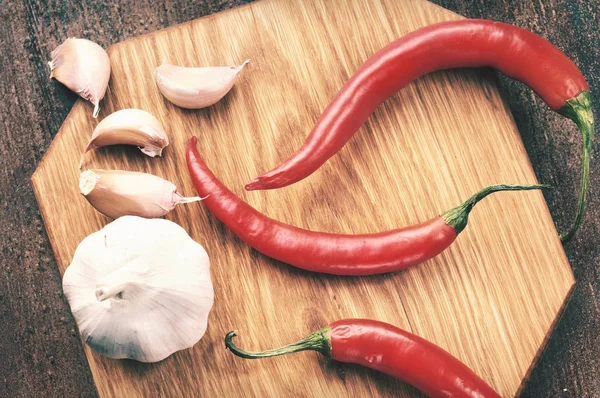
363 254
390 350
515 52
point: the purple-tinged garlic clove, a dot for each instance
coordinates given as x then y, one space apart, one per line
84 67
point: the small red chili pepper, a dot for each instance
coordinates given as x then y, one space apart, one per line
517 53
388 349
364 254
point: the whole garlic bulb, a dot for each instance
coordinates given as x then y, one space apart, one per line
140 288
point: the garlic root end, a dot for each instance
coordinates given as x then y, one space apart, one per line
87 182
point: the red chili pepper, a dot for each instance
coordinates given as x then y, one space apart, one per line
388 349
515 52
364 254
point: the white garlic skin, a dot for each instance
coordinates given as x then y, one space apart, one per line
130 127
84 67
196 88
117 193
140 289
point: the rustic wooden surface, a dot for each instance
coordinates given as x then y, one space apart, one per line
493 295
40 350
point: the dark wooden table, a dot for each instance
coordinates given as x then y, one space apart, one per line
40 351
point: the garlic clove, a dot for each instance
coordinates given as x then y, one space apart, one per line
129 127
140 289
195 88
84 67
117 193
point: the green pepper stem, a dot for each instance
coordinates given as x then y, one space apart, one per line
458 217
317 341
579 109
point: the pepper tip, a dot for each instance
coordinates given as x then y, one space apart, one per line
253 185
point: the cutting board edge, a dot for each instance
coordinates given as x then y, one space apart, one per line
144 36
547 337
35 184
51 237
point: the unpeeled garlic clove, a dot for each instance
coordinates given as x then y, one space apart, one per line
129 127
83 66
117 193
195 88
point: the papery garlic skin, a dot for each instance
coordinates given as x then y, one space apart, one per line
140 289
84 67
117 193
129 127
195 88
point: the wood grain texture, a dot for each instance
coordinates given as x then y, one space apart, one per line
570 365
490 300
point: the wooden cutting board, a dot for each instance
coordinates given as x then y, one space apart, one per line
491 299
